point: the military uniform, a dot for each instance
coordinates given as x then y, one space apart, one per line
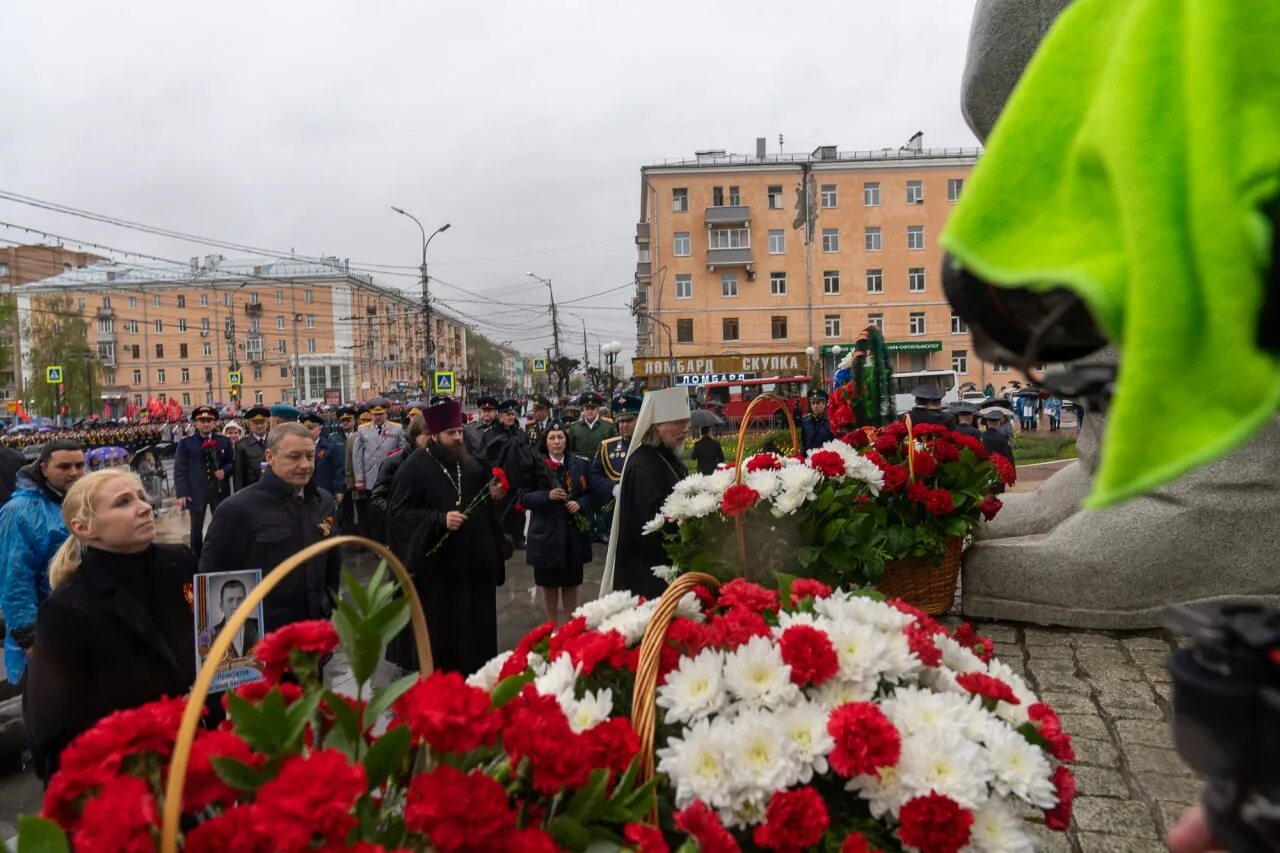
923 413
535 428
251 452
476 433
815 430
605 471
585 438
371 447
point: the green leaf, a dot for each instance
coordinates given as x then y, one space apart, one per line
568 833
239 775
251 724
358 595
296 718
338 739
362 644
386 754
383 699
508 688
784 588
389 620
1031 732
348 721
41 835
588 800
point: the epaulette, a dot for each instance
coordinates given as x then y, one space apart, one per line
604 458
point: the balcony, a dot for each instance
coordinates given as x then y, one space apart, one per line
253 309
734 214
728 258
253 348
642 232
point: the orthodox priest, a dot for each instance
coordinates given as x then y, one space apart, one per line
445 528
655 463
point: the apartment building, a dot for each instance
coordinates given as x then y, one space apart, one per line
289 330
747 262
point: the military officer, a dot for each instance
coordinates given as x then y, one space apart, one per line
373 444
928 407
283 413
966 415
585 435
541 419
606 467
250 452
342 441
475 433
202 465
815 431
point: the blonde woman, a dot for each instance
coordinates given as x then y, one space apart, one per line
116 631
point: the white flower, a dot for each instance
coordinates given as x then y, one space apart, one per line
787 503
956 657
847 607
837 692
691 485
945 761
1016 715
805 725
884 793
537 663
653 525
676 506
558 680
996 829
913 709
689 607
798 478
595 612
766 482
486 677
796 617
756 674
1019 768
760 757
719 481
589 711
697 766
630 623
695 688
861 650
703 504
665 574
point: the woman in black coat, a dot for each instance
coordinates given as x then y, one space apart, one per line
557 546
117 630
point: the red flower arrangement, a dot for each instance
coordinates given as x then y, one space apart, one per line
865 740
989 688
934 823
738 499
299 642
794 820
809 653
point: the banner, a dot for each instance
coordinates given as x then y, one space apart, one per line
217 595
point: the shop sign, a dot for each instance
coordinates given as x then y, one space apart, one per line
708 378
763 364
891 346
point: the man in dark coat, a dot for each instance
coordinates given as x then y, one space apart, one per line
271 521
538 423
201 465
815 431
928 407
507 447
445 528
994 438
251 451
476 433
966 415
707 452
606 468
654 466
330 473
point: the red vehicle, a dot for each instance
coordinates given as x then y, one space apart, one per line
730 399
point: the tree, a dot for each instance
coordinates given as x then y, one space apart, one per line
486 364
58 334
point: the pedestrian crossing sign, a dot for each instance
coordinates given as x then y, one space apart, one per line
444 382
53 374
233 377
539 365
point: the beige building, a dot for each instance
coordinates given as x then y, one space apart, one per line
288 330
733 279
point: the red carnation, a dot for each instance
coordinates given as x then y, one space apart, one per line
897 429
938 501
256 691
764 462
448 714
518 660
1050 727
921 430
311 796
1004 468
828 463
865 740
737 499
920 639
1059 817
120 819
809 653
209 444
926 465
794 820
501 476
315 637
735 628
459 811
644 838
538 730
592 648
530 840
934 824
857 438
990 506
856 842
970 443
926 622
612 744
231 830
739 593
895 477
989 688
945 451
701 824
967 637
885 443
803 588
204 786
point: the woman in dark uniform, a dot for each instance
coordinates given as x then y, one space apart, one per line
557 546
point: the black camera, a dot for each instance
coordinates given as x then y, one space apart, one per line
1226 707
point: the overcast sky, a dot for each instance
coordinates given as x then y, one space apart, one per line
295 125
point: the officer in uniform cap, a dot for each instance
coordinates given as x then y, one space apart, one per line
250 453
202 475
928 407
283 413
541 418
345 439
994 438
374 443
585 435
570 408
606 466
475 433
815 431
966 417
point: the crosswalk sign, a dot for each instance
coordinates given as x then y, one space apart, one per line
233 377
53 374
444 382
539 365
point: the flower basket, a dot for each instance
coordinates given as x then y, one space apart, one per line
928 585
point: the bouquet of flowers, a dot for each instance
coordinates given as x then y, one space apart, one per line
813 718
812 516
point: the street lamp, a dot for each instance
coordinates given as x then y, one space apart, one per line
88 371
611 351
562 382
821 372
428 351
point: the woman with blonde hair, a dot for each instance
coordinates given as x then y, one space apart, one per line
116 631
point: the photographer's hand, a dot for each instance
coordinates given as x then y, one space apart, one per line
1192 834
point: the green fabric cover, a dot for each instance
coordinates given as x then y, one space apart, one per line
1132 165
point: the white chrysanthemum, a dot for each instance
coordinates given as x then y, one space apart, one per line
697 765
666 574
719 481
703 504
595 612
796 617
943 760
837 692
846 607
861 468
805 725
1019 768
766 482
913 710
755 673
558 679
691 485
695 688
748 809
676 506
799 478
956 657
537 663
861 649
653 525
630 623
589 711
689 607
996 829
788 503
1015 715
486 677
760 757
884 794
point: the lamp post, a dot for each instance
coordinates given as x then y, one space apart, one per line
671 351
428 351
88 372
820 374
562 381
611 351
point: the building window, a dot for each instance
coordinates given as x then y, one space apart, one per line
284 372
159 326
915 237
186 374
186 398
204 300
729 284
80 303
777 242
775 198
105 325
257 397
279 297
155 301
871 236
680 200
110 377
876 320
871 194
207 349
131 326
280 322
1000 368
680 246
831 325
257 373
960 360
684 331
133 302
830 239
160 376
717 196
915 323
204 324
915 280
954 186
830 282
226 299
182 326
875 281
958 325
253 297
282 346
684 286
311 344
735 197
159 350
729 328
182 300
307 296
777 284
729 238
182 350
137 377
778 327
829 195
915 192
137 351
106 302
311 321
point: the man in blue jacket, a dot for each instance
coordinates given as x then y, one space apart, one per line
201 464
31 530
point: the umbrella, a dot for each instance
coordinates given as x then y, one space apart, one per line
700 418
996 401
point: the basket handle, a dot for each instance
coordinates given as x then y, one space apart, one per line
644 711
746 419
200 690
911 449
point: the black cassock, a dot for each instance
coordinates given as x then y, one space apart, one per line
456 583
650 475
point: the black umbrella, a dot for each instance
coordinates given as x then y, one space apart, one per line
700 418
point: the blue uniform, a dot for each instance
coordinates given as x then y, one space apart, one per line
606 468
193 478
331 468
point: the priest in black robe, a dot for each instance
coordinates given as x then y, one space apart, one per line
655 463
444 527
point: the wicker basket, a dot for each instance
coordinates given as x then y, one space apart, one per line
929 586
737 467
221 644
